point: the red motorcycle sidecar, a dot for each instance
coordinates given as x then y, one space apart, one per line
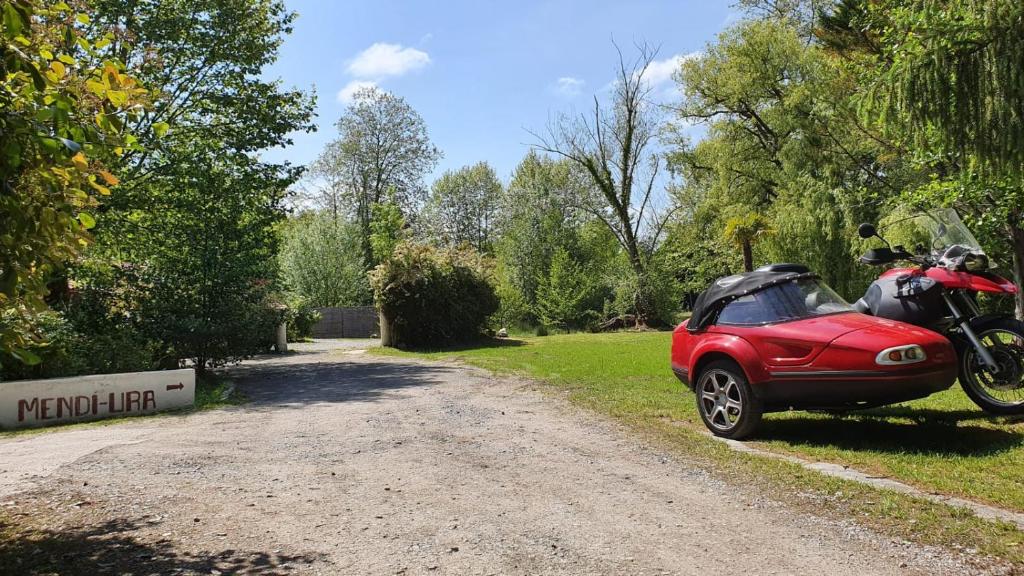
779 338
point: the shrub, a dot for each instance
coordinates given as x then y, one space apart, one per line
69 345
430 296
301 318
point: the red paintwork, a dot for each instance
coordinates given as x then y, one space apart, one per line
847 341
953 280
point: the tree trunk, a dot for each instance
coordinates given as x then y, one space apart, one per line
387 332
1017 239
748 256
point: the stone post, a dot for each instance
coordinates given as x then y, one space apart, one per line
282 337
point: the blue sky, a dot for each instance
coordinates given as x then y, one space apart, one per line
480 73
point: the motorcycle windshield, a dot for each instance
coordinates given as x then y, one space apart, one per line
935 230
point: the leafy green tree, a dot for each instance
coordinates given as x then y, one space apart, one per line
64 97
743 229
785 150
387 229
322 261
382 150
943 80
462 207
534 221
204 284
564 293
199 208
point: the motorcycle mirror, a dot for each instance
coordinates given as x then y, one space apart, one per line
866 231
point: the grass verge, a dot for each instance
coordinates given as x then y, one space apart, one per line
941 444
212 391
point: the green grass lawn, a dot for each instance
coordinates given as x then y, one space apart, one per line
941 444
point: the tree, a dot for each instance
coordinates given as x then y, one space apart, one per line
387 230
563 294
943 78
462 207
322 261
64 101
613 146
204 283
743 229
198 214
785 150
383 148
428 296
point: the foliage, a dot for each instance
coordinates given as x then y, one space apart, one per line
382 153
82 344
565 294
196 218
613 147
387 230
942 79
950 76
65 99
322 261
204 284
534 221
462 207
301 318
433 297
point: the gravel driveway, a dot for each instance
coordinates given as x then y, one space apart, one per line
344 463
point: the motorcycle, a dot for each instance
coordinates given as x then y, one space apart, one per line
940 292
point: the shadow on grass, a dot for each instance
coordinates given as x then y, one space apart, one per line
935 434
474 345
109 548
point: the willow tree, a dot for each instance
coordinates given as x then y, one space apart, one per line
947 76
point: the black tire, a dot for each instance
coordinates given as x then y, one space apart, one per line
1001 393
725 401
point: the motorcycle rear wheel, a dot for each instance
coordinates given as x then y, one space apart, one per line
1003 392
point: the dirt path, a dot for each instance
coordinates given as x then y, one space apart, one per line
349 464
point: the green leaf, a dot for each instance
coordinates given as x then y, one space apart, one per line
12 21
25 356
160 129
88 222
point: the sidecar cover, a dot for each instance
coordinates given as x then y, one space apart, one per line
724 290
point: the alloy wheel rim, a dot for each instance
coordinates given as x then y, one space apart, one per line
1007 387
720 399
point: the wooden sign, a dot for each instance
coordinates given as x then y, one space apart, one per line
28 403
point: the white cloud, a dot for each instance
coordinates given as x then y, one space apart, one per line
384 59
660 71
568 86
345 94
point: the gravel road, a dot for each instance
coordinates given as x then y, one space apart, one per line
344 463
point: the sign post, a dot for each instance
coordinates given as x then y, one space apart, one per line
30 403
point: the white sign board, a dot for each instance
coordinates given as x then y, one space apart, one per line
27 403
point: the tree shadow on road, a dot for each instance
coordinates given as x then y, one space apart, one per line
110 548
300 384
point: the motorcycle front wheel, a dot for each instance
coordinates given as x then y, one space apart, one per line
1001 392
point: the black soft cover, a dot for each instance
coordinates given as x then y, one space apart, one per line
729 288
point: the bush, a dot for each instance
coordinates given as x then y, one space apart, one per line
301 318
429 296
74 347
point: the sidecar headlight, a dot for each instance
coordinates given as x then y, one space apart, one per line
899 355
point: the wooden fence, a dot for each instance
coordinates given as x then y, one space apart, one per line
356 322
